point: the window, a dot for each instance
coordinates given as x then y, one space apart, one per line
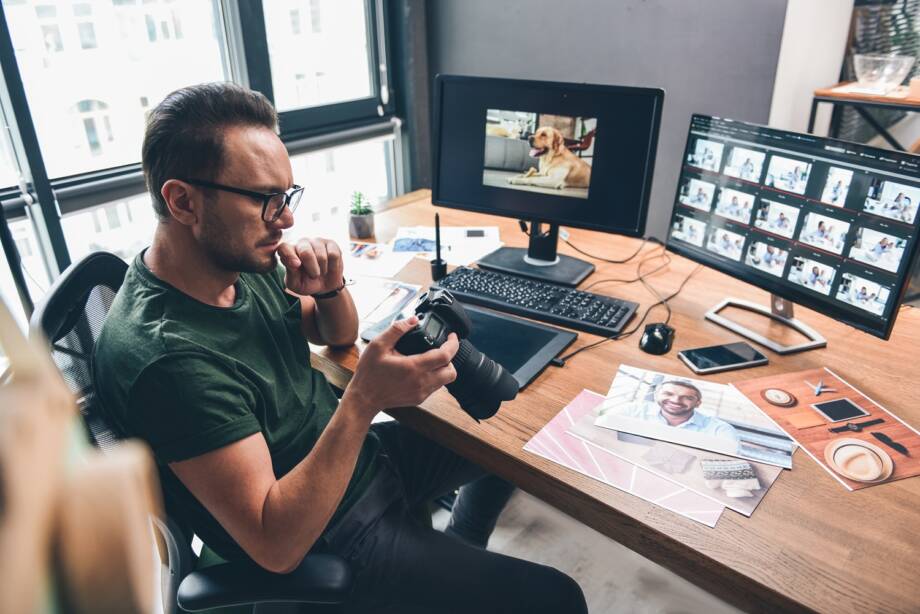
330 176
97 124
124 227
315 23
92 69
336 49
147 53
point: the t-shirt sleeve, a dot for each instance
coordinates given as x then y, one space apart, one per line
186 405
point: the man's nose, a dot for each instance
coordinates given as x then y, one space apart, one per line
285 220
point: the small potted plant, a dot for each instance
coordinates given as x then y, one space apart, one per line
361 220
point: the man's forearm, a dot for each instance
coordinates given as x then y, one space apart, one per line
299 505
337 319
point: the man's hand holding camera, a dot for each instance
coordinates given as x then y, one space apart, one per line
385 378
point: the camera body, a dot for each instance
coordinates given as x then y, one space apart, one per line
439 315
482 384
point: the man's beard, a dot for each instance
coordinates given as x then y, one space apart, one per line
231 257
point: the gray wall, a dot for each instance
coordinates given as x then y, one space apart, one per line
711 56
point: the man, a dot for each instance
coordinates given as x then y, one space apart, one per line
816 278
782 222
747 170
675 405
204 355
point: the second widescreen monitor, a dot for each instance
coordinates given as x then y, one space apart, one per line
828 224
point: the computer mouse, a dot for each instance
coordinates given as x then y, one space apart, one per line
657 338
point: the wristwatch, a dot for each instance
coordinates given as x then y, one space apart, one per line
855 426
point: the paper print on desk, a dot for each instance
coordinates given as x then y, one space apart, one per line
878 447
733 482
460 245
554 443
694 413
373 260
380 299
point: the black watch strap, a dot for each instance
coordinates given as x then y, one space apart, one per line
331 293
855 426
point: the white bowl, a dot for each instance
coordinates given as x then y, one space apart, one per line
881 73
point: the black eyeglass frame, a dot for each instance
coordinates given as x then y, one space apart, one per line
289 196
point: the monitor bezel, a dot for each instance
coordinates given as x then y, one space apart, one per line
784 289
656 93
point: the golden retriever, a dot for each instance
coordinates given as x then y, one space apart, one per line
559 167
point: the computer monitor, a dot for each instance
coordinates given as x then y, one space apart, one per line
558 153
828 224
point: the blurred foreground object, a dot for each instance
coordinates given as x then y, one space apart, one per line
75 531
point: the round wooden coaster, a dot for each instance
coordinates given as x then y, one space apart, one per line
778 397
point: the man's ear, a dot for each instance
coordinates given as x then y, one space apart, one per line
182 201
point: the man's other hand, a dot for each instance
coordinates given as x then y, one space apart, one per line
385 378
314 266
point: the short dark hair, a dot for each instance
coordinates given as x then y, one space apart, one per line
184 133
682 383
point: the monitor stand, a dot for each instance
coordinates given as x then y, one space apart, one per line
781 311
539 260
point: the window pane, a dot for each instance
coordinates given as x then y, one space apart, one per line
330 176
325 63
123 227
111 54
11 297
33 263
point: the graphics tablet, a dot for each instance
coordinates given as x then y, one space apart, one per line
522 346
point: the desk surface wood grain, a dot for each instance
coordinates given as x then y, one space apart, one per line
811 545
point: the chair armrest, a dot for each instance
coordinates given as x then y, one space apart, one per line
319 579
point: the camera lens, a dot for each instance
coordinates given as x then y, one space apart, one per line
482 384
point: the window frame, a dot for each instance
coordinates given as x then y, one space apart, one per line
244 53
322 119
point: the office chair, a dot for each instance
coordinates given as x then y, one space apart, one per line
71 317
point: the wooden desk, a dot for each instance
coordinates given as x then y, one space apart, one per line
810 544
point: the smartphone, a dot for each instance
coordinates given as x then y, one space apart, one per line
717 358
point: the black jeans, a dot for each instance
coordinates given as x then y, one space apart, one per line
401 566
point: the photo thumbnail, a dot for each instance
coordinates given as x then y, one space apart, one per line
879 249
788 174
697 194
812 274
767 258
745 164
537 152
725 243
863 293
824 232
706 155
836 186
735 205
688 230
896 201
777 218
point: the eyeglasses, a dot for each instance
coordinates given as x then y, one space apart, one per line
273 203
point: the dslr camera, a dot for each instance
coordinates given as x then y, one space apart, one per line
482 384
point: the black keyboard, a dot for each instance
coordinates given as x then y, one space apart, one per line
584 311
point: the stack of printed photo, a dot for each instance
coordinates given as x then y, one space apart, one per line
705 440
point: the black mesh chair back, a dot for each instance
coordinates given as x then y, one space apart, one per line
71 318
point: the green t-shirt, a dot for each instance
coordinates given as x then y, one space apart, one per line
189 378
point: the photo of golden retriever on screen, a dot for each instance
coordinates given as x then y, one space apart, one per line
535 152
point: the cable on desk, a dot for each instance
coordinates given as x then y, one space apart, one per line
662 300
526 231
